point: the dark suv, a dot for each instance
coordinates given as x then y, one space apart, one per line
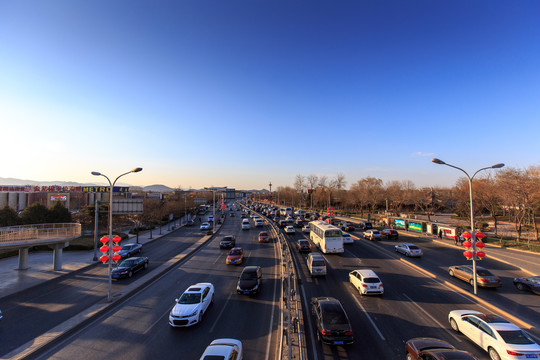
390 234
250 280
333 326
228 242
364 225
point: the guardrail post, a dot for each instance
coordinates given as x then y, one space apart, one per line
23 259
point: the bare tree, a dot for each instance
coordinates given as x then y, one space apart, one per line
300 183
312 180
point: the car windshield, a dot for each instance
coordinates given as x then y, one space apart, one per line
483 272
248 276
214 357
127 263
263 234
372 280
515 337
190 298
235 252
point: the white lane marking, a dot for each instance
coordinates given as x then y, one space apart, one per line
432 318
155 322
369 317
273 308
308 311
220 313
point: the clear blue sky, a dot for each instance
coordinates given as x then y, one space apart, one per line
241 93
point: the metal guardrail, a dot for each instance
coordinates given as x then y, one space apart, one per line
37 233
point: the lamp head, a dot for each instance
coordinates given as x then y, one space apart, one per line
96 173
137 169
497 166
438 161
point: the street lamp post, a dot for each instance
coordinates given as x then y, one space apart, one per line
473 234
111 191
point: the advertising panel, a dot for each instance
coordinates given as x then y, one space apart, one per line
399 224
415 226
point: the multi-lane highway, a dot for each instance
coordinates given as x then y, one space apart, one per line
139 329
415 304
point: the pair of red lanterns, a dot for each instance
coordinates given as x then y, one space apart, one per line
479 244
104 249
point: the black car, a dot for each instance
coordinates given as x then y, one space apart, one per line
228 242
129 267
531 284
390 234
303 245
190 222
129 250
364 225
250 280
346 226
333 325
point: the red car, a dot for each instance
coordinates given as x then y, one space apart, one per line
235 256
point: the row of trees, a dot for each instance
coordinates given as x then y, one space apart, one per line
36 213
510 193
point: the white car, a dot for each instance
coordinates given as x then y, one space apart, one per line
226 349
245 224
366 281
372 234
305 229
192 305
289 230
205 226
499 337
210 218
409 250
347 238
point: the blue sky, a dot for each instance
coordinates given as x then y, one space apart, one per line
241 93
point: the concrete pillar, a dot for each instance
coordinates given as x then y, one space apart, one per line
23 201
57 255
3 200
23 259
13 200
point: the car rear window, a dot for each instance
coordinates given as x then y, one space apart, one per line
318 263
333 314
515 337
483 272
372 280
413 247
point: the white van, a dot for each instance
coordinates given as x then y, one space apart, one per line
245 224
316 264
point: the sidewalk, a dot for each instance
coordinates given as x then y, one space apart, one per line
40 263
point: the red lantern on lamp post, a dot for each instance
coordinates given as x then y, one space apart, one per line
468 254
480 254
467 244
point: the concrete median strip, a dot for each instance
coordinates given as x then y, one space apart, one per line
89 314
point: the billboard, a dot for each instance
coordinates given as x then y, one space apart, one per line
415 226
128 206
399 224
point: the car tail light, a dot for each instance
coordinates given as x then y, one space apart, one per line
510 352
325 332
348 332
380 285
364 285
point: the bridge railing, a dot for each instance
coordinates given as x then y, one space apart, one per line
37 232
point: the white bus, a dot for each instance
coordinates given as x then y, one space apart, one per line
328 238
285 211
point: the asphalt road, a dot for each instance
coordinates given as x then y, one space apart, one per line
414 305
139 329
42 307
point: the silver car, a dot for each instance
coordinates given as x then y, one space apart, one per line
409 250
484 277
372 235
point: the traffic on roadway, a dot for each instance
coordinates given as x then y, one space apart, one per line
380 294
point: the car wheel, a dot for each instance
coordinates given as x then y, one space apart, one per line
471 282
146 265
409 356
200 316
451 272
130 274
407 254
396 249
453 325
493 355
520 287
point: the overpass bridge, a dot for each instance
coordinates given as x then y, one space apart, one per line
57 236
